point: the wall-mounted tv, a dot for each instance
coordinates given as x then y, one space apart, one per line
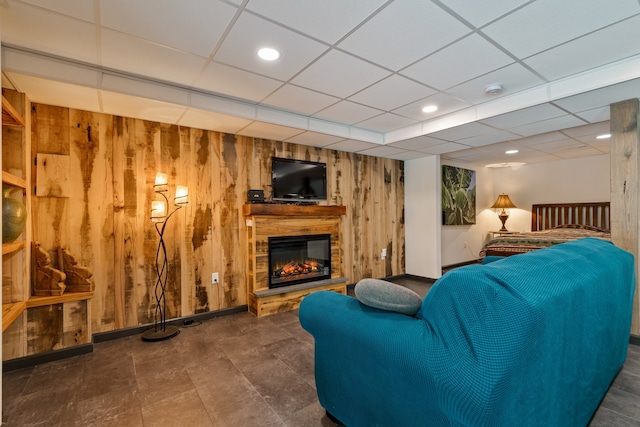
298 180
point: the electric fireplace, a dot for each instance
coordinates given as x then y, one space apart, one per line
299 259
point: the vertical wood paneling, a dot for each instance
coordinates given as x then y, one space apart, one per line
105 220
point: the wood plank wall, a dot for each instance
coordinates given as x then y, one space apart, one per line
105 218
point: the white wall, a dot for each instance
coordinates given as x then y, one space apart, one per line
422 205
562 181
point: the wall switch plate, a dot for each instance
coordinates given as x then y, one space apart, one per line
383 255
214 278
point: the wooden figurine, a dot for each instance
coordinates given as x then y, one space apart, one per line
78 277
48 281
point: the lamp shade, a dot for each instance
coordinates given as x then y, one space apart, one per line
503 202
182 194
157 211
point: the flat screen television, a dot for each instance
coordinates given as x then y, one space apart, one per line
298 180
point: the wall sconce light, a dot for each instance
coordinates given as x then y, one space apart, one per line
503 202
159 217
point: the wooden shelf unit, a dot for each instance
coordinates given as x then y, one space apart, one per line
16 152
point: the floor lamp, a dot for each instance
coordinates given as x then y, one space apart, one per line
159 209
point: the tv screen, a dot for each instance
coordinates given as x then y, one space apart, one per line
298 180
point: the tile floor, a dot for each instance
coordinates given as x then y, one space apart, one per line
235 370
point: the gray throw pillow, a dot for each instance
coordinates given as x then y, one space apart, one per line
387 296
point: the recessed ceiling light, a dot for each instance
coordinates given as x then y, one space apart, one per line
604 136
430 109
511 152
268 54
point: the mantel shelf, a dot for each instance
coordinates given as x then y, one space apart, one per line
291 210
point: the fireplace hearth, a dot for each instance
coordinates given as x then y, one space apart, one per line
299 259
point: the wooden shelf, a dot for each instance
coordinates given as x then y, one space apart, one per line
70 297
10 312
11 179
10 116
8 248
288 210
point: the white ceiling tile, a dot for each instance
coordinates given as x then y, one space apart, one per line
464 131
313 17
542 138
578 55
392 92
578 152
547 125
386 122
447 147
49 32
543 24
351 145
134 55
222 105
140 108
80 9
446 104
301 100
222 79
385 38
363 134
314 139
418 143
481 13
524 116
464 60
172 24
601 97
45 92
339 74
596 115
513 78
588 130
383 151
201 119
250 34
269 131
348 112
489 138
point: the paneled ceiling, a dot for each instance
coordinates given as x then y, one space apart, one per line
353 75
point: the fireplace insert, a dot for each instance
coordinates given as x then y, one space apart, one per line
299 259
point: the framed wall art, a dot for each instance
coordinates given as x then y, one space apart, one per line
458 196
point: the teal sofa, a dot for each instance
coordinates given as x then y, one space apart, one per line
529 340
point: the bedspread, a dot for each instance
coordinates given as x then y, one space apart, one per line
512 244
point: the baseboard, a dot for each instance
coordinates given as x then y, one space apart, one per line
634 339
179 321
77 350
49 356
460 264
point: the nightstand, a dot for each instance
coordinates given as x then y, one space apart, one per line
501 233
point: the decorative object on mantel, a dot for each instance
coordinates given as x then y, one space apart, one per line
503 203
78 277
159 209
48 281
14 215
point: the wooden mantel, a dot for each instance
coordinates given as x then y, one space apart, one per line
288 210
274 220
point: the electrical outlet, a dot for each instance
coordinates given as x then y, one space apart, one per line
383 255
214 278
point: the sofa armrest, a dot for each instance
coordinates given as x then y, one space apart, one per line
389 345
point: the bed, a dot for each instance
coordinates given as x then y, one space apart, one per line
552 224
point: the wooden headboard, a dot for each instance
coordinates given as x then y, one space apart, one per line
544 217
